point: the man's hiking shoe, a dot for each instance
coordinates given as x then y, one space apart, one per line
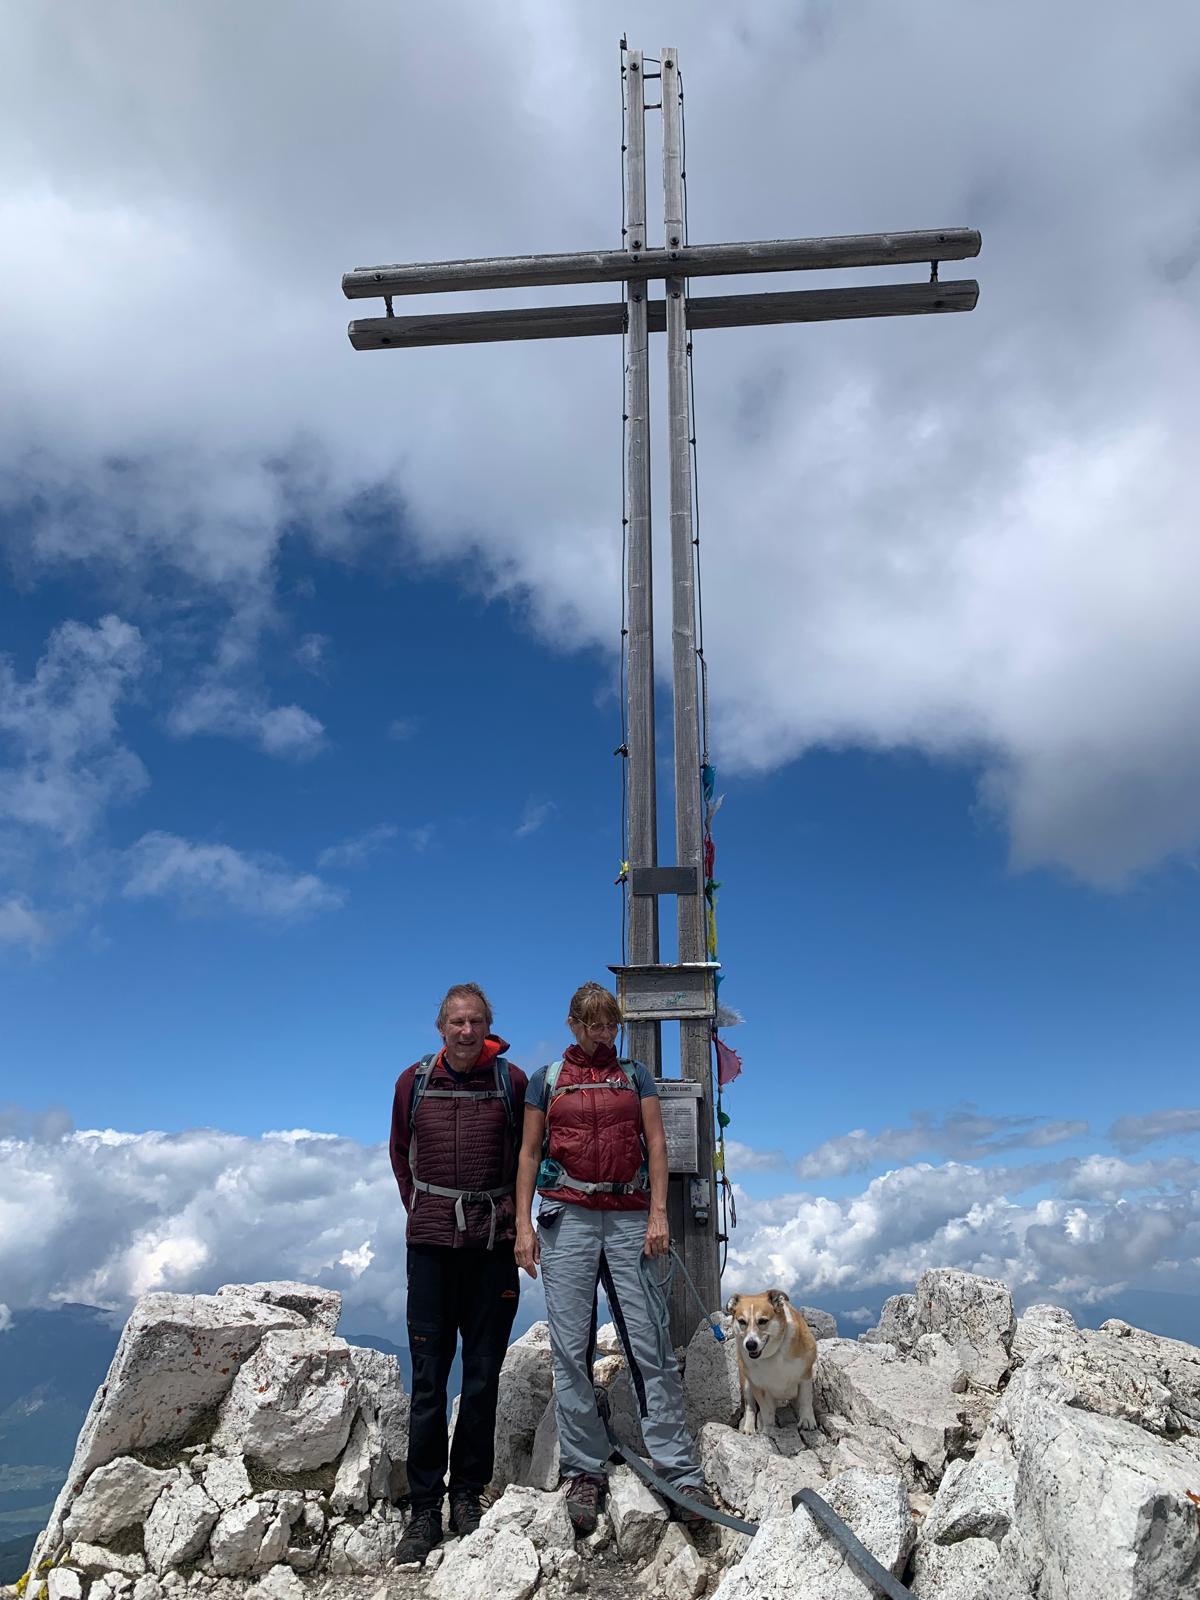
423 1532
465 1512
583 1502
701 1497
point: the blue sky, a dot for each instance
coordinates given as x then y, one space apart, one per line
309 685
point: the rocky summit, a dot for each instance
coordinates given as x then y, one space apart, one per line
240 1450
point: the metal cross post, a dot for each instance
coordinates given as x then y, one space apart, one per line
652 991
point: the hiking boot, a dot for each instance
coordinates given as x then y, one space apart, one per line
583 1502
699 1496
423 1532
465 1512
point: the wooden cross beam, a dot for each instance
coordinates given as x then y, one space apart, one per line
679 313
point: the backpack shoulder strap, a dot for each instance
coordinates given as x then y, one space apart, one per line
420 1083
552 1076
629 1067
505 1090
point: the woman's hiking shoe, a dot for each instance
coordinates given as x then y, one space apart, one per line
465 1512
423 1532
583 1502
701 1497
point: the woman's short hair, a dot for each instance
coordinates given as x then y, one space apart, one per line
461 991
594 1003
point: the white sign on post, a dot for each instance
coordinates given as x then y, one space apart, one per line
680 1102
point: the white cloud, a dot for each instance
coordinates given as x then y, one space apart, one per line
5 1318
21 925
100 1217
401 728
242 713
355 851
963 1134
535 816
59 729
969 535
209 877
357 1261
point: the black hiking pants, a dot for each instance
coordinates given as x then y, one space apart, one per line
469 1294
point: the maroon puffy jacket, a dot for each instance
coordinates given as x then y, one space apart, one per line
459 1145
596 1133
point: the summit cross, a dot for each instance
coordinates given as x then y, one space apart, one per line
652 990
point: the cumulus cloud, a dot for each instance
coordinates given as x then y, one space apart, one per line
355 851
1131 1133
974 1218
92 1219
5 1318
101 1216
216 877
62 762
968 535
964 1134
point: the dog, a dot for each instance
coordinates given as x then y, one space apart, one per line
776 1355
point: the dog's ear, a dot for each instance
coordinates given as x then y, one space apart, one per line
732 1304
778 1299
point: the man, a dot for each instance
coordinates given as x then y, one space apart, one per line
456 1118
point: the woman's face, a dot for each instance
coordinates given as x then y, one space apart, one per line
590 1035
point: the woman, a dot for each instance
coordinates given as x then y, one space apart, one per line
594 1148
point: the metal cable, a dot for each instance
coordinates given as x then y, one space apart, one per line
691 368
623 748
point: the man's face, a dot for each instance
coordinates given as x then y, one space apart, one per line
464 1031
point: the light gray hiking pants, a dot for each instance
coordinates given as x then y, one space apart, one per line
581 1247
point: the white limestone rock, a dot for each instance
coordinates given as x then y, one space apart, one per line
62 1583
537 1514
385 1409
351 1487
1125 1372
1139 1538
526 1384
544 1468
897 1323
793 1558
95 1559
117 1495
677 1572
712 1387
972 1569
320 1308
821 1324
226 1481
870 1385
281 1583
491 1564
147 1588
608 1341
612 1375
177 1357
1040 1325
252 1536
976 1316
179 1525
750 1476
292 1404
974 1501
367 1549
638 1517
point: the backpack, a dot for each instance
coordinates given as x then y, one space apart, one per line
502 1091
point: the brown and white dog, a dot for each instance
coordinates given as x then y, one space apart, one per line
776 1356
